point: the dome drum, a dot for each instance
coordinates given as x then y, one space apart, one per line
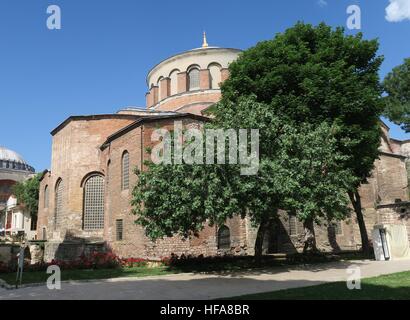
196 70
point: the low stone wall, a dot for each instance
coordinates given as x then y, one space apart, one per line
397 213
71 250
8 252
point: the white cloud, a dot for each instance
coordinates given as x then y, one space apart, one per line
398 10
322 3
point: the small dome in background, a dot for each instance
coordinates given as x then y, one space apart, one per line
10 155
11 160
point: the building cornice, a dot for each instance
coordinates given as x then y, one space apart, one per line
393 155
144 120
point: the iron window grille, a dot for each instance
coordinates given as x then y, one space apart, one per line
94 203
224 238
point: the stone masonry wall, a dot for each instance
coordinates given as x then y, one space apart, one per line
76 153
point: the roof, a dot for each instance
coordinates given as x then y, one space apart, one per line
400 141
144 120
43 174
93 117
393 155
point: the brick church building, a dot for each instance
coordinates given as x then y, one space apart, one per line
85 197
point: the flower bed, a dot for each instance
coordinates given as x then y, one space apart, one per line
96 260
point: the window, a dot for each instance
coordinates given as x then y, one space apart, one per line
44 233
125 185
224 238
293 225
215 73
174 81
33 223
94 203
108 172
58 202
193 79
159 88
337 226
119 227
46 197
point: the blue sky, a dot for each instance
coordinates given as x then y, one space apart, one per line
98 61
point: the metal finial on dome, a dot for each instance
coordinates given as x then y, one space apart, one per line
205 44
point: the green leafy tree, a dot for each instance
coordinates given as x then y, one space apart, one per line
313 75
301 167
299 170
27 193
397 102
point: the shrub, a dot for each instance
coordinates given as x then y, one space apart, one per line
96 260
134 262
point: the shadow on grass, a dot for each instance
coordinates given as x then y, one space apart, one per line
389 287
237 266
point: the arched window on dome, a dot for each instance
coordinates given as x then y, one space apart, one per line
125 171
224 238
159 87
215 74
58 202
94 201
193 79
174 81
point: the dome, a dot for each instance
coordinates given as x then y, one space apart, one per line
10 155
11 160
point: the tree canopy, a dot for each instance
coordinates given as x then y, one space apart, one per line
397 102
27 193
313 75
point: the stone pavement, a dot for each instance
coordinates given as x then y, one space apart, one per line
206 286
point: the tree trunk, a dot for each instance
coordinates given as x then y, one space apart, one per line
310 237
357 206
260 237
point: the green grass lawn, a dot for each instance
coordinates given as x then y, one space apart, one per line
41 277
391 287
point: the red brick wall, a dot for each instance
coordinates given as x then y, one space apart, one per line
75 154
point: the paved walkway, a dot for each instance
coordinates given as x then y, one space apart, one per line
206 286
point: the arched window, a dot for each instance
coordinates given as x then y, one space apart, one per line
224 238
46 197
58 202
159 87
193 79
174 81
215 74
108 172
94 203
125 174
293 225
44 233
